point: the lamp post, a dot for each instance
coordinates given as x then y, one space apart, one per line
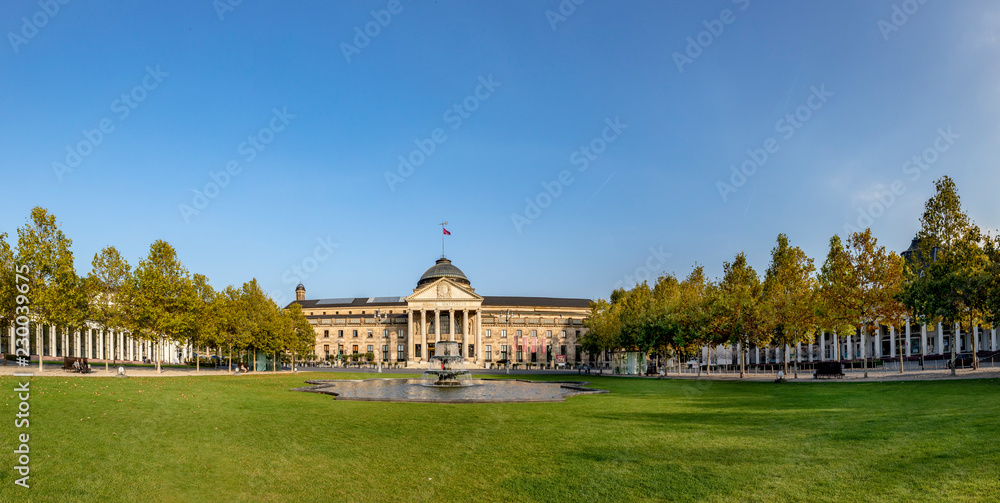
507 314
380 317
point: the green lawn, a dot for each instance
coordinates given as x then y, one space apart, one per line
250 439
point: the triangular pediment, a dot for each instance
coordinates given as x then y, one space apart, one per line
444 289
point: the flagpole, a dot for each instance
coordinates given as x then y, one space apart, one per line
442 238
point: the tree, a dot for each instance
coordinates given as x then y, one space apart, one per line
636 332
663 316
738 308
861 284
162 297
231 326
110 274
54 286
261 318
8 283
300 336
948 273
692 315
789 296
204 327
603 326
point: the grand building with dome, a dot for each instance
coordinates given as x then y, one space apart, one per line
529 331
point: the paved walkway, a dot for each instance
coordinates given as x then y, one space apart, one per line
55 370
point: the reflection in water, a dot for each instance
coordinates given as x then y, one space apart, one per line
483 390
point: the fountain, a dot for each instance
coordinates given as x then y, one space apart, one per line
446 369
447 381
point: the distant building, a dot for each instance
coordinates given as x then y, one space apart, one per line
541 331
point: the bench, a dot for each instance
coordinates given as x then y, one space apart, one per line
828 369
69 363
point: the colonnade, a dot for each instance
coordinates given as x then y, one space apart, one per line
419 325
930 341
94 343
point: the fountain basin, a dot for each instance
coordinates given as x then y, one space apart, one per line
478 390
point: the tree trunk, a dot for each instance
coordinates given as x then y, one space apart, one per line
708 360
864 351
784 357
900 339
975 357
230 357
741 362
159 354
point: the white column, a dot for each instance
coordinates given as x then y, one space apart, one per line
923 339
975 335
479 335
993 340
940 338
836 346
798 352
451 325
423 333
409 336
437 325
756 356
822 345
466 340
892 342
52 341
41 348
811 351
850 347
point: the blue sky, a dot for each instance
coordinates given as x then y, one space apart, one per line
333 118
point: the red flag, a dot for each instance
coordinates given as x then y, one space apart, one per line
446 233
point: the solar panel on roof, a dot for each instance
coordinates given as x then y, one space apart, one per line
327 302
384 300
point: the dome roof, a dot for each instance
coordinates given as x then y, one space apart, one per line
443 269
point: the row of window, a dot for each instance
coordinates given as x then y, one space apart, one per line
486 333
340 334
487 350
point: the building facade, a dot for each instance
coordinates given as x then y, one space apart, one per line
529 331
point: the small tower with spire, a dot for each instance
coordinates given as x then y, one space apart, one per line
300 293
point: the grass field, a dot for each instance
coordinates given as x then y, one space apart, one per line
250 439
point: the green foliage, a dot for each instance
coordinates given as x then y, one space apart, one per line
197 438
109 276
56 294
790 296
952 276
162 298
8 283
